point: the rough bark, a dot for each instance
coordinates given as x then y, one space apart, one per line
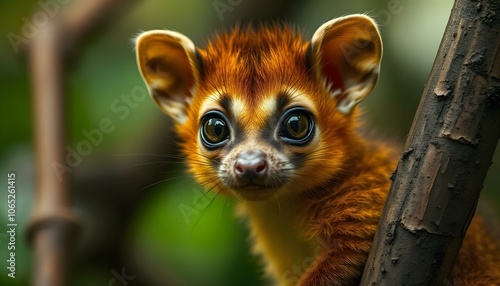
447 155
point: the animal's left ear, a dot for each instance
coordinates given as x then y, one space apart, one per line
346 54
168 64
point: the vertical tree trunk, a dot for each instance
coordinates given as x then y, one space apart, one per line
447 154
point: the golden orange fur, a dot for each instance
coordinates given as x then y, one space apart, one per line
316 223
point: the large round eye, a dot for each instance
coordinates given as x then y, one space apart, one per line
297 126
214 129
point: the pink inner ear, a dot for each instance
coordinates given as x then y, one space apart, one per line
332 73
332 61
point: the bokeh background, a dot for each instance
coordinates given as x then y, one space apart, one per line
141 215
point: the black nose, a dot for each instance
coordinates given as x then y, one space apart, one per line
251 167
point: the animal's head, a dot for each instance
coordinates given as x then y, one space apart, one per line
261 111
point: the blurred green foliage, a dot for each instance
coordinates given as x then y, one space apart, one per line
211 248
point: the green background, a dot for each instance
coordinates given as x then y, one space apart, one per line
210 246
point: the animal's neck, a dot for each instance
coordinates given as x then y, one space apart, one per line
278 235
278 228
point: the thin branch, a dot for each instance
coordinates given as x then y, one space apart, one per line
53 226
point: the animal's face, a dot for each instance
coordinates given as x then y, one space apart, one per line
262 112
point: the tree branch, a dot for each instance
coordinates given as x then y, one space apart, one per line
53 223
53 226
447 155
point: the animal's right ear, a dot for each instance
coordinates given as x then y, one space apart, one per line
168 64
346 54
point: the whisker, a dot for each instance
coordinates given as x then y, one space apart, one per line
154 184
205 209
147 154
224 206
160 163
161 181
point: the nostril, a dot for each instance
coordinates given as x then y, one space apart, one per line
261 167
239 168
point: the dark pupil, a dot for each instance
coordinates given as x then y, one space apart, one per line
297 126
215 130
